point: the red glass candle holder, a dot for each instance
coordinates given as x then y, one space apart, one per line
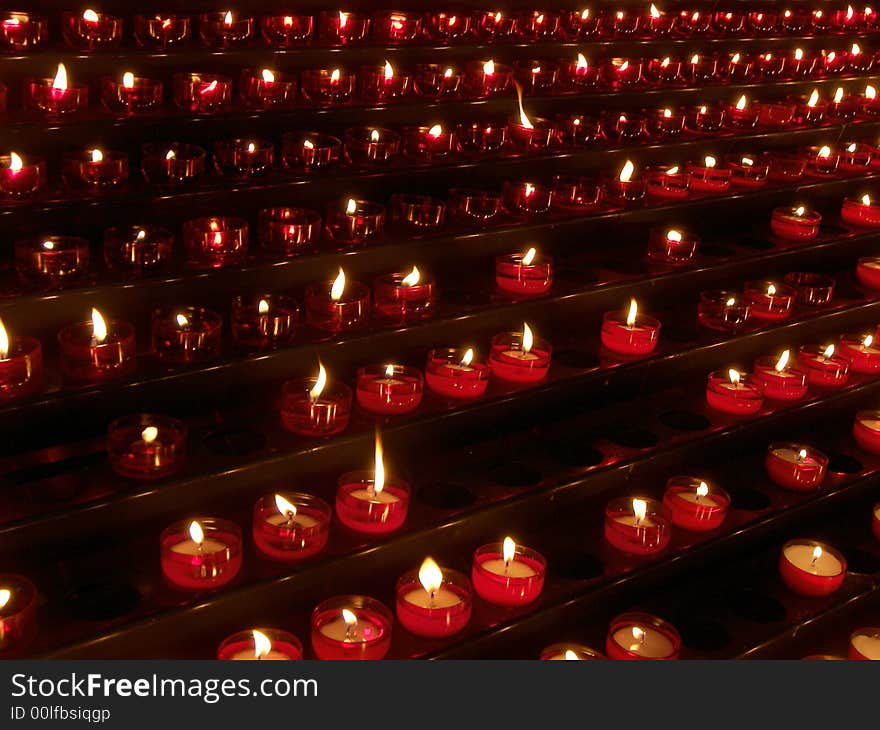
622 73
220 31
627 192
21 367
365 507
131 95
513 357
701 69
172 164
382 84
146 446
864 644
735 67
810 110
577 24
861 353
485 79
389 390
18 614
52 262
332 314
87 358
308 152
95 169
243 158
342 28
795 467
622 23
43 96
769 302
628 128
671 246
21 176
639 337
478 137
436 613
91 31
292 528
772 115
201 565
182 335
283 32
862 212
579 74
243 646
778 381
537 25
741 115
267 89
538 134
417 212
868 272
524 274
667 124
845 109
396 26
263 322
728 22
434 81
288 231
812 569
693 504
708 177
456 374
663 71
637 526
582 194
856 158
351 627
747 171
477 207
824 368
528 198
371 145
821 161
784 168
738 394
21 32
215 241
308 410
641 636
327 86
561 652
202 93
723 311
404 297
866 431
429 143
496 25
161 32
354 222
447 27
508 580
667 182
536 76
770 66
811 290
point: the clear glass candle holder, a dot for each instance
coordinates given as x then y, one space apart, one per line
202 93
487 79
511 361
137 250
91 31
288 231
172 163
376 86
330 316
536 77
582 194
52 262
724 311
425 144
417 213
305 153
243 158
222 30
769 301
516 277
435 81
640 636
315 416
474 206
146 446
292 535
456 374
263 322
495 25
215 241
666 182
396 300
42 98
736 396
747 171
343 28
183 335
447 27
162 31
535 25
481 137
130 96
22 32
354 222
327 87
672 246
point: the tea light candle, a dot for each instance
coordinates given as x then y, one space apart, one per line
821 161
182 335
96 351
327 86
382 84
351 627
161 32
418 213
628 188
579 130
811 110
146 446
433 602
400 297
508 574
667 124
537 24
856 158
21 176
824 368
536 76
52 262
671 246
844 109
389 390
640 636
288 231
866 431
864 644
485 79
772 115
243 158
723 311
395 26
811 289
495 25
215 241
369 145
202 93
868 271
622 23
447 27
664 71
519 357
747 171
91 31
529 198
371 502
709 177
456 374
580 74
527 134
636 526
434 81
862 212
740 115
263 322
582 194
131 94
778 380
570 652
172 164
260 645
337 306
225 29
20 32
524 274
622 73
354 222
309 152
268 89
733 392
667 182
811 569
56 97
314 407
694 505
862 354
769 302
21 366
475 207
342 28
795 467
629 128
635 334
706 119
728 22
284 32
96 169
291 526
429 143
18 612
201 554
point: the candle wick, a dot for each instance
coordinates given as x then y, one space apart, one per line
506 566
290 517
431 599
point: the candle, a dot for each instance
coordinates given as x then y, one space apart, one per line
394 26
824 368
327 86
577 193
862 354
263 322
640 636
495 25
579 74
473 206
284 32
202 93
131 94
389 389
201 554
527 198
215 241
433 602
351 627
343 28
773 115
537 24
172 164
811 110
291 526
856 158
337 306
811 289
354 222
868 272
536 76
382 84
268 89
370 502
96 169
862 212
288 231
706 119
260 645
811 569
622 23
161 32
524 274
485 79
747 171
795 467
864 644
18 613
667 124
785 168
91 31
635 334
96 351
629 128
21 176
694 505
225 29
628 188
22 31
369 145
769 302
456 374
722 311
243 158
636 526
845 109
508 574
314 407
21 366
733 392
708 177
728 22
447 27
866 431
527 134
671 246
429 143
519 357
778 380
664 71
821 161
400 297
667 182
146 446
875 521
309 152
570 652
741 115
52 262
417 213
182 335
432 80
56 97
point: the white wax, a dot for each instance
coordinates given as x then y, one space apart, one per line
869 350
520 355
191 547
338 630
631 521
299 520
382 497
387 381
692 497
872 264
871 423
785 374
794 456
248 655
456 366
867 646
735 386
653 644
877 513
515 569
801 556
443 598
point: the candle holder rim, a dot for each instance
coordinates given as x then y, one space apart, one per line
809 542
243 301
631 618
506 339
770 361
641 319
334 388
28 160
297 135
812 350
76 15
561 646
454 354
395 279
451 577
520 551
209 525
654 507
812 451
68 242
20 582
274 215
297 498
221 15
148 419
399 369
782 290
539 261
809 279
716 296
233 144
198 76
354 290
157 148
273 634
119 327
232 223
368 476
810 217
207 316
354 602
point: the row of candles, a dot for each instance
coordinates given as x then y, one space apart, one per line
91 30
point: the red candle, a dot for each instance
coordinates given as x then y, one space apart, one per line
581 23
433 602
288 231
519 357
629 128
182 335
741 115
202 93
795 467
52 262
223 30
310 407
354 222
811 569
482 80
495 25
132 94
864 644
747 171
215 241
664 71
706 119
283 32
622 23
172 163
845 109
722 311
22 31
337 306
508 574
260 645
343 28
861 353
810 110
527 198
636 526
769 302
667 182
434 81
201 554
671 246
733 392
667 124
775 114
537 24
738 68
866 431
351 627
264 322
56 97
381 84
21 176
18 612
403 298
291 526
524 274
580 74
268 89
447 27
856 158
161 32
91 31
146 446
778 380
640 636
327 86
627 188
429 143
536 76
570 652
728 22
821 161
527 134
635 334
694 505
862 212
243 158
394 26
21 366
389 390
309 152
456 374
369 145
417 212
708 177
811 289
96 351
824 368
96 169
868 271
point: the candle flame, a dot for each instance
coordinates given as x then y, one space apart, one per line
817 553
308 144
627 171
703 489
523 118
170 155
447 74
802 454
389 371
735 58
285 507
379 473
798 54
351 207
99 327
528 339
581 62
620 15
665 62
60 81
800 210
262 644
227 19
640 509
695 59
508 549
374 137
468 358
741 104
320 383
782 363
15 163
849 12
268 76
673 235
747 161
672 170
288 21
263 307
866 200
343 19
430 576
435 131
632 314
654 12
5 595
869 10
870 92
623 66
667 113
570 655
210 87
4 341
734 376
48 245
251 147
828 353
730 302
787 13
851 147
529 256
182 321
97 155
855 50
831 56
838 94
338 286
868 341
585 13
128 80
817 14
149 434
771 290
412 278
348 616
334 76
710 161
814 98
638 636
489 67
389 71
90 16
196 533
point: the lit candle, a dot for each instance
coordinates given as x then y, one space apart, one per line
21 366
733 392
824 367
435 602
201 554
795 467
865 644
693 505
637 526
519 357
260 645
811 568
95 351
640 636
779 380
636 334
313 407
351 627
508 574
